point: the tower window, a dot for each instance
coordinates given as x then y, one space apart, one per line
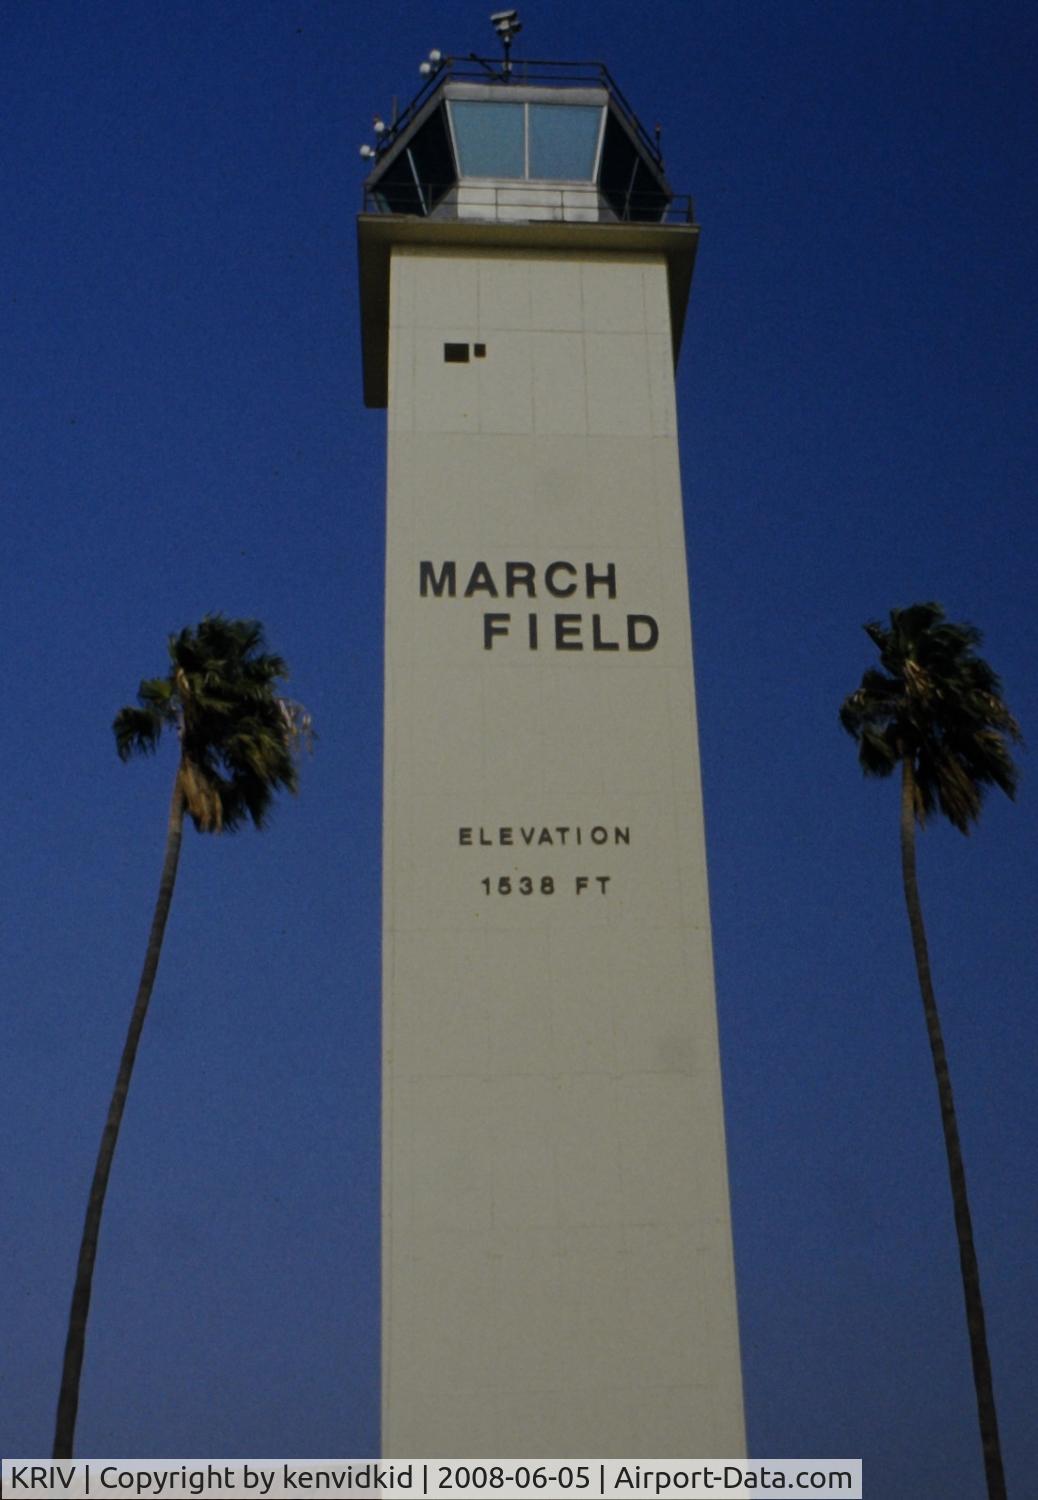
490 138
539 142
456 354
563 140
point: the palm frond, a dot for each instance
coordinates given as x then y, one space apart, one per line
939 704
203 796
239 738
137 731
156 693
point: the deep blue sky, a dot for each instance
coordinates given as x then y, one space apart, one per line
182 430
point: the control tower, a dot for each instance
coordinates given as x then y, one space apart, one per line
557 1261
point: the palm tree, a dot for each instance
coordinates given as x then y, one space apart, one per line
936 710
237 744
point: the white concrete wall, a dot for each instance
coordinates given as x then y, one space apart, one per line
557 1263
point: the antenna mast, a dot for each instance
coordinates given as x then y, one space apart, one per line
508 26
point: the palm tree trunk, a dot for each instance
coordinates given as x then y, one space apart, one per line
956 1171
68 1400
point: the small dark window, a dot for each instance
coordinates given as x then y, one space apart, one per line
479 350
456 354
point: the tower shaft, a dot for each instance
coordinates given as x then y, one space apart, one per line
557 1261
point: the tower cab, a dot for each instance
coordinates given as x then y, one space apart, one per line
523 142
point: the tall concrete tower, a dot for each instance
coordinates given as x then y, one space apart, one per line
557 1260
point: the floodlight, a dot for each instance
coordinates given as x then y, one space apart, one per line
367 151
379 127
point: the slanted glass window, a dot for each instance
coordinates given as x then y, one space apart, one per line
421 173
629 185
489 137
433 159
563 139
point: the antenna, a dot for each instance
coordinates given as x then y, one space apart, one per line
508 26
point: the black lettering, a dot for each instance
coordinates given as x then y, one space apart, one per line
623 835
533 632
593 579
567 632
481 581
549 579
596 636
494 625
517 573
427 579
652 636
464 835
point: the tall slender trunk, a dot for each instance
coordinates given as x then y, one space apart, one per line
956 1171
68 1400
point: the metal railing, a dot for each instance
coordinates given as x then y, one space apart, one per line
527 202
